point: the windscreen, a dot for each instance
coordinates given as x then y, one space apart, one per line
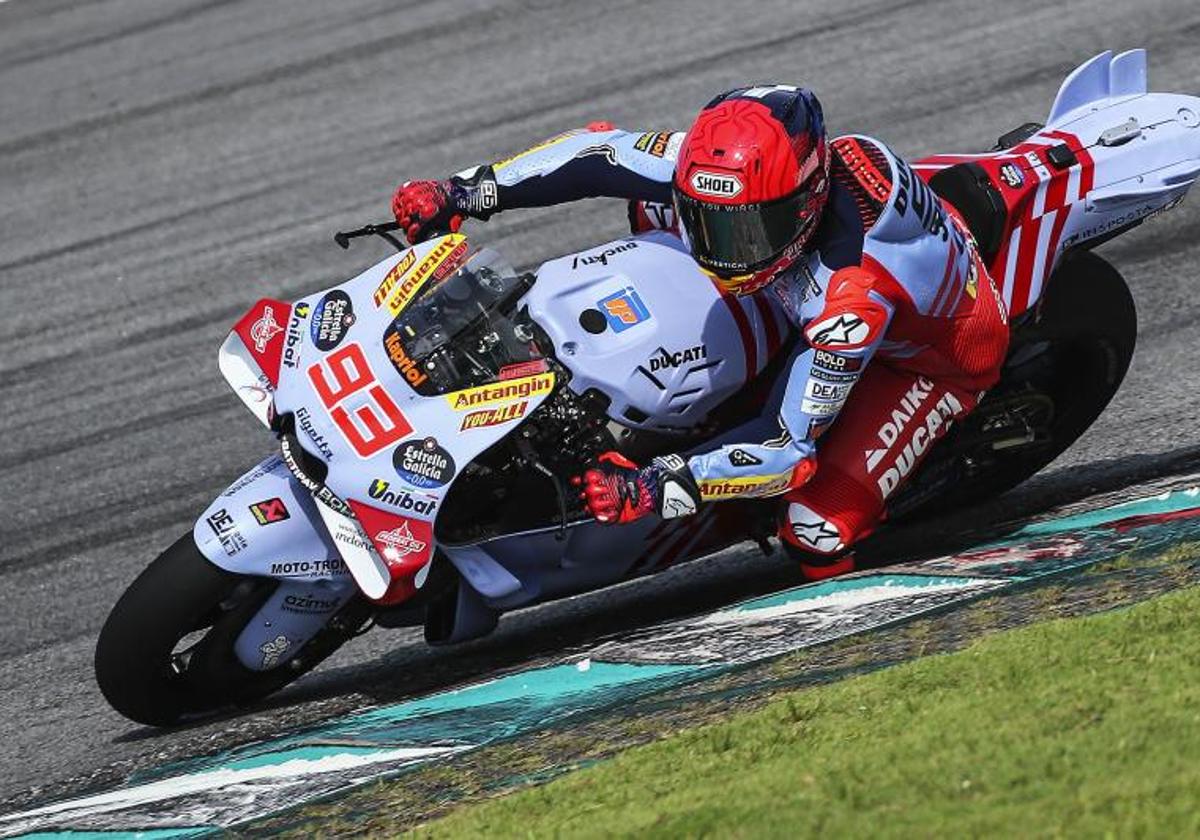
462 331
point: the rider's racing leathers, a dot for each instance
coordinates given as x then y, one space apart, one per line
891 278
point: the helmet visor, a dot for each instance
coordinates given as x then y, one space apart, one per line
741 238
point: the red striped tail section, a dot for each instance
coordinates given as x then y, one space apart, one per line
1039 198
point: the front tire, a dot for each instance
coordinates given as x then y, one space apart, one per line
182 595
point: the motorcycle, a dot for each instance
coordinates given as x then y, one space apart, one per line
430 411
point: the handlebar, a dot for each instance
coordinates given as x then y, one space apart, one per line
382 230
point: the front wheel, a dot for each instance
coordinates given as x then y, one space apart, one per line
166 651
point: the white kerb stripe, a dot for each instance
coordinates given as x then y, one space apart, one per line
286 773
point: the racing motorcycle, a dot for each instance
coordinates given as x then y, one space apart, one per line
430 411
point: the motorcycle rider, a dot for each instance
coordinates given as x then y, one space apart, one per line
903 327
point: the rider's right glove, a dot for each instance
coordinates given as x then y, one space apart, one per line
424 208
617 491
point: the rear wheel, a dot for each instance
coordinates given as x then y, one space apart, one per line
1064 365
166 651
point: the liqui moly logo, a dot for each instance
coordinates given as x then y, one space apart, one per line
721 185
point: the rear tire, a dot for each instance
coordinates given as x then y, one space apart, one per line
179 594
1064 365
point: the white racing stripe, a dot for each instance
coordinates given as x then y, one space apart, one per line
288 773
1042 259
844 600
1010 267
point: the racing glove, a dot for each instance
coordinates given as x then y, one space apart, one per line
617 491
424 208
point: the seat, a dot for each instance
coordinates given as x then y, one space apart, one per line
971 192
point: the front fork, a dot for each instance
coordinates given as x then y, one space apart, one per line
266 525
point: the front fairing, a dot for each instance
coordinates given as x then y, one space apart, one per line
391 453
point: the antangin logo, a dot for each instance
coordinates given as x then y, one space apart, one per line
389 282
751 486
445 257
513 389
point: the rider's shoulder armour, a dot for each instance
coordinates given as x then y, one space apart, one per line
894 204
861 166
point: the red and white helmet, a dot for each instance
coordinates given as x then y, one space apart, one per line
751 183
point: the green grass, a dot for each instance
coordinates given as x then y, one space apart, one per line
1078 727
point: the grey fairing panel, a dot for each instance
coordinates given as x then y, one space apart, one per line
297 547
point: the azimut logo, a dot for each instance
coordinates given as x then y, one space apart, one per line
721 185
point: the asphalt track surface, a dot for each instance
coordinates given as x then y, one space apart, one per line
164 164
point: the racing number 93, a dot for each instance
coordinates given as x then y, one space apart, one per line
380 421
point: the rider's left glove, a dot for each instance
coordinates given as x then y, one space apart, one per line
617 491
426 208
423 208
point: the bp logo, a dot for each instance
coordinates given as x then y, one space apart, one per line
720 185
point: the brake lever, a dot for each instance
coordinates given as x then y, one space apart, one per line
382 230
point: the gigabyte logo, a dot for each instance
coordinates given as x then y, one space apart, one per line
304 420
716 184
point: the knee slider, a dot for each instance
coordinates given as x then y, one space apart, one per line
810 531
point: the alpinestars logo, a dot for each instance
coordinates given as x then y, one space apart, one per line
399 543
843 331
819 535
676 501
742 458
812 530
264 329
